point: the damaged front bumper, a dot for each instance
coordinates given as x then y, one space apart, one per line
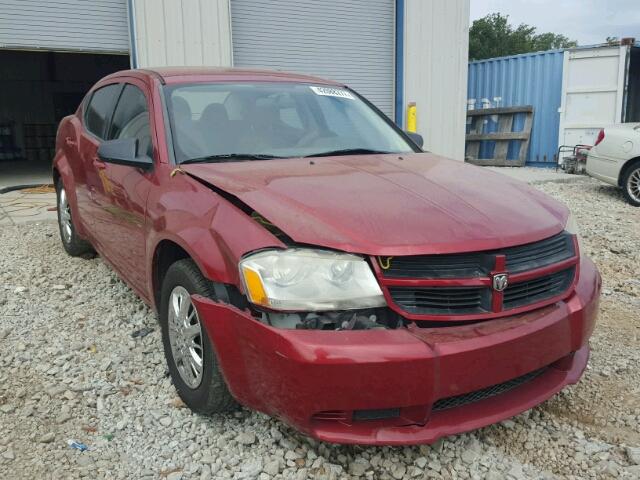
408 385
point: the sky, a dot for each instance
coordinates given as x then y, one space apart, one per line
587 21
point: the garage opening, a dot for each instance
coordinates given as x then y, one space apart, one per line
37 89
632 113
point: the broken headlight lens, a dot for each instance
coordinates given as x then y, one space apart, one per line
309 280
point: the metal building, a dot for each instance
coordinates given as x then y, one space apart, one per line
311 36
51 53
72 25
394 52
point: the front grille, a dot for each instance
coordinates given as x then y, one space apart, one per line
540 254
467 265
382 414
470 300
492 391
442 301
541 288
439 266
422 284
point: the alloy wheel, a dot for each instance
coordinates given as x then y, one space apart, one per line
633 185
185 337
65 216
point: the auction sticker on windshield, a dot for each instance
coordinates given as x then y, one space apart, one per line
331 92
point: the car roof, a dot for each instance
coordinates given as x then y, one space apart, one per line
174 75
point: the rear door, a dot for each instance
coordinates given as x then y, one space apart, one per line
96 119
123 202
593 92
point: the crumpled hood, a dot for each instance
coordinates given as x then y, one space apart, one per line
389 204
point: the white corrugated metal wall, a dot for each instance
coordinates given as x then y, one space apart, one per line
181 33
75 25
351 42
436 46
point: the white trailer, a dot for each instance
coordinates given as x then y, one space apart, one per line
600 87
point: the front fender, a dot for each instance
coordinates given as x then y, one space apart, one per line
214 232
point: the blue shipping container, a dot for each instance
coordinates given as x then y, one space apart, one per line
528 79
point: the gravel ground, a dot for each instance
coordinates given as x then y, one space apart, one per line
70 369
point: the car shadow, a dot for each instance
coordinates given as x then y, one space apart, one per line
612 192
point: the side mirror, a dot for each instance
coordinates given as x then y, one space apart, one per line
416 138
123 151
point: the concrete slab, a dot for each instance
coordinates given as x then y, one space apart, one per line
538 175
28 206
24 173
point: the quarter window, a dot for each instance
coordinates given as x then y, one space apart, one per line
99 109
131 119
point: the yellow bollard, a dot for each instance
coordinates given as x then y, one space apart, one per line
412 117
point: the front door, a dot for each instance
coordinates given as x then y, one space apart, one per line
124 196
96 118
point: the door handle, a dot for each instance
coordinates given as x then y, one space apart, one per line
99 164
70 142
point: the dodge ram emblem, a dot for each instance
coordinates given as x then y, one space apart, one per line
500 282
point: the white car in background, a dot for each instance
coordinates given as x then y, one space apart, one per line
615 159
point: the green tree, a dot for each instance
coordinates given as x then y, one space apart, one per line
493 36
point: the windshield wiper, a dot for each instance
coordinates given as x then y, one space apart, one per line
348 151
228 157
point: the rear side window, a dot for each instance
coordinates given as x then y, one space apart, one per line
131 119
100 107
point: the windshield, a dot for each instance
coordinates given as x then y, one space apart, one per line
224 122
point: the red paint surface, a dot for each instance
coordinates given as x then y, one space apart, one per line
294 374
390 205
372 205
127 222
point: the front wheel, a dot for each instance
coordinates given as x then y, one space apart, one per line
190 355
631 184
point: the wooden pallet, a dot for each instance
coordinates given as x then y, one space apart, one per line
502 137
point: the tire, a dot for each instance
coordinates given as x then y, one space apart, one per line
73 244
631 184
207 394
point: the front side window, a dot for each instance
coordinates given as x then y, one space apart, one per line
99 109
211 120
131 119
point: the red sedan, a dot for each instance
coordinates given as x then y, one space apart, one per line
308 260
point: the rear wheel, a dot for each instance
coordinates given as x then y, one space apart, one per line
71 241
631 184
191 359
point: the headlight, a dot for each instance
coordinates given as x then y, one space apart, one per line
572 228
572 225
309 280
